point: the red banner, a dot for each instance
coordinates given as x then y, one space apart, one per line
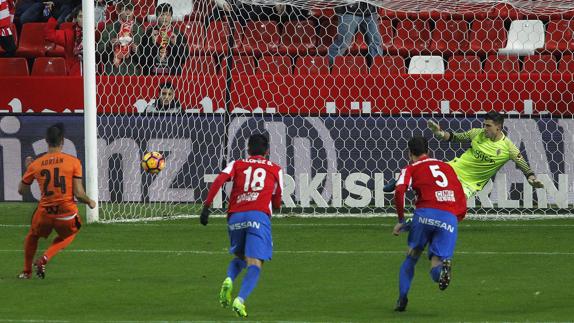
299 94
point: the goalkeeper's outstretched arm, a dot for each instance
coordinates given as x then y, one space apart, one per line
452 136
521 163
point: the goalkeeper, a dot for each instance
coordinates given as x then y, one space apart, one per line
490 150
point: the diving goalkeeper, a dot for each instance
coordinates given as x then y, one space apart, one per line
490 150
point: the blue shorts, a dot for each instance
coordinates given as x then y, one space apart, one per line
250 234
437 228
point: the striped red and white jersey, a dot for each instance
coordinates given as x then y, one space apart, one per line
6 7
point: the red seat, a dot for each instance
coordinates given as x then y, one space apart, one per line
143 8
499 11
560 35
99 29
539 64
49 66
67 25
450 36
412 37
383 65
487 36
13 66
54 50
386 31
566 64
147 24
464 64
195 34
327 33
312 65
243 65
299 38
32 40
275 65
216 37
15 34
345 65
57 50
259 37
199 65
502 64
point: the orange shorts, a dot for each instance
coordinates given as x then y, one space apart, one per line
43 222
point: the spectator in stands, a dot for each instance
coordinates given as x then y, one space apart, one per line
291 13
6 37
63 9
164 48
119 43
100 10
166 102
33 11
359 16
70 39
181 8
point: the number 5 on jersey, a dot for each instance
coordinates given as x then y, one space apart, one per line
437 173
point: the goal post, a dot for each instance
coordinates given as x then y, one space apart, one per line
338 91
90 108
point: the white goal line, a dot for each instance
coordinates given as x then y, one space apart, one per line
333 252
154 321
493 217
390 225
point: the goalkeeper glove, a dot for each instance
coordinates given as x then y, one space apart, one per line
436 130
535 182
204 215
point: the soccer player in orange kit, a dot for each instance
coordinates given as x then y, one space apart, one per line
60 178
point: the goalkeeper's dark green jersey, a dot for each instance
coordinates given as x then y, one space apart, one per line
484 158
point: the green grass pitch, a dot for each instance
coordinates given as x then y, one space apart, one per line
323 270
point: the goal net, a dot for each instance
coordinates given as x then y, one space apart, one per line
339 87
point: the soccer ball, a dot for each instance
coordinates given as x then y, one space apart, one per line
153 162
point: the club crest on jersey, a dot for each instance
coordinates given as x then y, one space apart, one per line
498 151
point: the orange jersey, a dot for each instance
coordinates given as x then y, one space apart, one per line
55 173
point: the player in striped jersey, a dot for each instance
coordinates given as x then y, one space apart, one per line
7 40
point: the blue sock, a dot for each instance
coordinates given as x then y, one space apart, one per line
236 265
435 273
406 275
249 281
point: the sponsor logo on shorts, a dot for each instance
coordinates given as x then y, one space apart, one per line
244 225
437 223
